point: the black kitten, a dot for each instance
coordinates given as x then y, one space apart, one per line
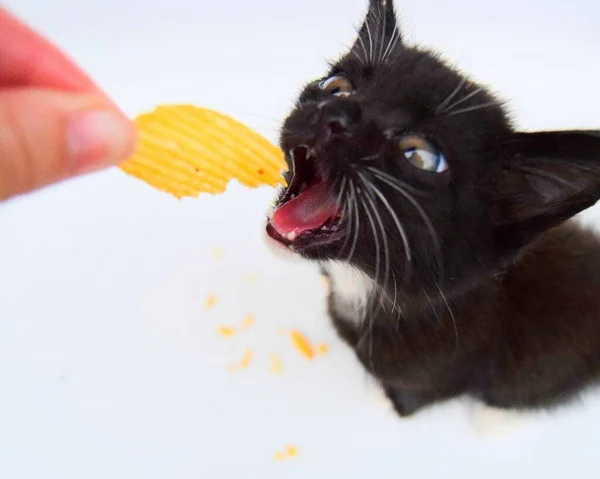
443 230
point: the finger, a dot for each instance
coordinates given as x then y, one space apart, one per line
27 59
46 136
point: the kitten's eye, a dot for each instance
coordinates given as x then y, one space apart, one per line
337 86
422 154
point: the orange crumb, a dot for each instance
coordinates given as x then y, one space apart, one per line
245 361
225 331
321 348
276 364
291 451
261 171
302 344
279 456
325 282
248 321
210 301
231 368
217 253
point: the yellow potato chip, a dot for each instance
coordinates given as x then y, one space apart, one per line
186 150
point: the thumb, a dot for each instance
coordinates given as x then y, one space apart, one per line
47 136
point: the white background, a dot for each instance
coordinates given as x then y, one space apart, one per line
110 366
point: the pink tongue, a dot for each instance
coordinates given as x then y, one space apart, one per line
309 211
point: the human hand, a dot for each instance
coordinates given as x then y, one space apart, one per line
55 123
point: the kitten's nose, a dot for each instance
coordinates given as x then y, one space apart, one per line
339 118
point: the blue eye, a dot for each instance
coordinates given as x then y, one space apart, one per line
422 154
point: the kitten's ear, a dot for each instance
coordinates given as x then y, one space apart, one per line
548 178
379 34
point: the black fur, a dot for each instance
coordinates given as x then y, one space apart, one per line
500 299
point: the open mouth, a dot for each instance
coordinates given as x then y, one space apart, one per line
308 214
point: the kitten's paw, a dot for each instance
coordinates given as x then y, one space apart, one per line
490 421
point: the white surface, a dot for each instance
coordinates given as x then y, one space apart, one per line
109 364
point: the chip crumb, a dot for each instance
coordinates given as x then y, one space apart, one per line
250 279
225 331
291 451
279 456
217 253
248 321
245 361
322 349
302 344
210 301
276 364
325 281
231 368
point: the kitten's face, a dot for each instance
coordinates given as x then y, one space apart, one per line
393 157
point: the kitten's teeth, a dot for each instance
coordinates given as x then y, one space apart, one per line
293 196
291 235
291 247
325 228
311 153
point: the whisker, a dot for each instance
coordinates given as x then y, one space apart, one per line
370 157
394 304
347 213
401 230
431 229
549 176
442 106
451 315
473 108
462 100
400 183
357 219
434 309
386 249
342 190
589 169
358 57
370 40
371 321
391 44
362 44
382 35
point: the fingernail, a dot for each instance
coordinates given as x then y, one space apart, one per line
97 139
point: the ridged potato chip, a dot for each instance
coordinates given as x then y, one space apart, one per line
186 150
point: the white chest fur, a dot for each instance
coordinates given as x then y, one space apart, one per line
351 290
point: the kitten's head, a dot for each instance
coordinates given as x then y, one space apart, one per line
406 169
